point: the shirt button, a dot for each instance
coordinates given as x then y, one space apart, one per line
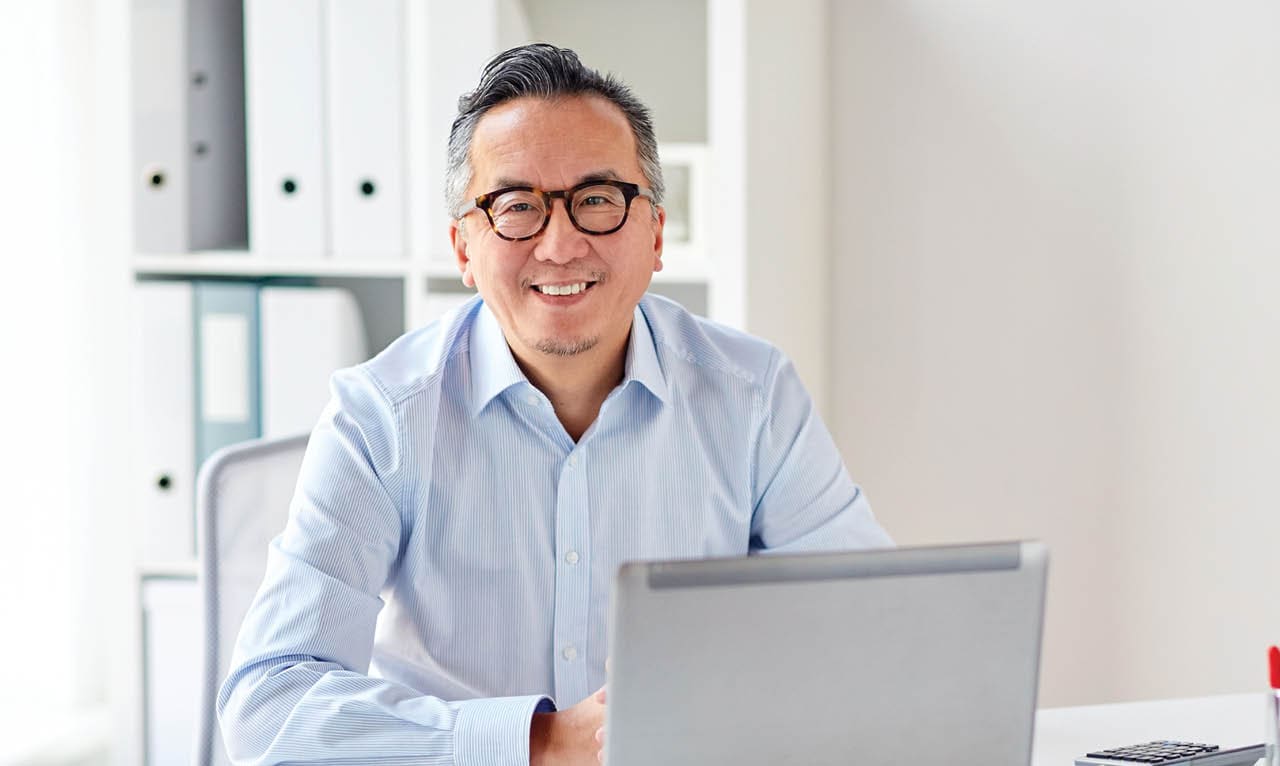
571 557
570 653
573 460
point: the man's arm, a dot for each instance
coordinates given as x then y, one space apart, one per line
297 690
804 498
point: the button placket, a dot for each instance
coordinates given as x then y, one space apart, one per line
573 583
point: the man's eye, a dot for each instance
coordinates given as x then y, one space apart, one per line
595 199
516 207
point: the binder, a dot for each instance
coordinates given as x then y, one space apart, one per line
451 66
226 365
307 334
172 648
188 129
366 122
284 90
166 437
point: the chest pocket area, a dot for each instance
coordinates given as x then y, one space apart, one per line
674 507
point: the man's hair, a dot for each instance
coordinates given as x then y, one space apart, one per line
542 71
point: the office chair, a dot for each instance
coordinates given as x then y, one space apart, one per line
242 503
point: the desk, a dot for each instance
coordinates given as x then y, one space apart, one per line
1232 720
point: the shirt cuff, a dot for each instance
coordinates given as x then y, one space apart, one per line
495 732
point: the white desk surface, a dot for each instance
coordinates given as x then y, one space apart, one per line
1063 734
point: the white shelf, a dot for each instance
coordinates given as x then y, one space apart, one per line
241 263
679 265
178 569
437 269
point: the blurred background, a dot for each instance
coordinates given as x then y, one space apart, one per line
1024 255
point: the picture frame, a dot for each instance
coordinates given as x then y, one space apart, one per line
684 171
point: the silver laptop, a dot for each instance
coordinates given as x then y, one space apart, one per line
914 655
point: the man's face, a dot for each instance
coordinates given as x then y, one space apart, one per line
553 145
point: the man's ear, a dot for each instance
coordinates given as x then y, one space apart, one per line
458 238
658 227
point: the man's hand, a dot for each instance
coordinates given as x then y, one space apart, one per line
573 737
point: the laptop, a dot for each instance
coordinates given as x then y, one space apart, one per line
904 656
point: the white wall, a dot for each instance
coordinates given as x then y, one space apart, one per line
1203 393
769 125
63 547
787 248
1054 262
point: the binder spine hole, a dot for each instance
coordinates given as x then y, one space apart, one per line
201 148
367 188
199 79
289 186
155 179
164 482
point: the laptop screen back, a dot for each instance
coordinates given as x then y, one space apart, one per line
876 657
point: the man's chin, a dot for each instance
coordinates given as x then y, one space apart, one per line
565 346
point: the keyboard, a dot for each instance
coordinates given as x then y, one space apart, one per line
1168 752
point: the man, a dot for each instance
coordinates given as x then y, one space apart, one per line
487 474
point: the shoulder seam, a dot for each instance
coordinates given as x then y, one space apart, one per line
762 414
734 371
420 383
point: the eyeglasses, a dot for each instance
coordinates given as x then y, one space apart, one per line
517 213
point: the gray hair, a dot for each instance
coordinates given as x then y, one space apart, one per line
543 71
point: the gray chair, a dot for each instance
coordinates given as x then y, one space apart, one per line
242 503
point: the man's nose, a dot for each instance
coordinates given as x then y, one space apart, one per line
560 242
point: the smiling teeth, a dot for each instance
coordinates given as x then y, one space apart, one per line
562 289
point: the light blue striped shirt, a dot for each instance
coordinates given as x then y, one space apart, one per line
449 553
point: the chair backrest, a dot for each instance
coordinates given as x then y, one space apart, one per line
242 503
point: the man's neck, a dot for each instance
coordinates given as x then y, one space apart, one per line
577 385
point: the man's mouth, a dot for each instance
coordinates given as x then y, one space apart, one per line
571 288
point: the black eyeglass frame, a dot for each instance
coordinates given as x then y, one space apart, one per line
629 192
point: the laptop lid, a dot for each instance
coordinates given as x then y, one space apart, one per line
875 657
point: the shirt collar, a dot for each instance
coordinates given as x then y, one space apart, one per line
494 369
642 359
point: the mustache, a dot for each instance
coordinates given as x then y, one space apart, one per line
542 279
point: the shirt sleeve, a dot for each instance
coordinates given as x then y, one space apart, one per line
804 497
298 689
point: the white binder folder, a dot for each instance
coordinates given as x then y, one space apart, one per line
366 124
227 364
284 90
166 439
187 119
451 66
307 334
172 647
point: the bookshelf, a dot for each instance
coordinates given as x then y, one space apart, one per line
395 292
709 122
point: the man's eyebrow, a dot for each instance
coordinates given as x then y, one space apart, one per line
600 175
505 181
607 174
